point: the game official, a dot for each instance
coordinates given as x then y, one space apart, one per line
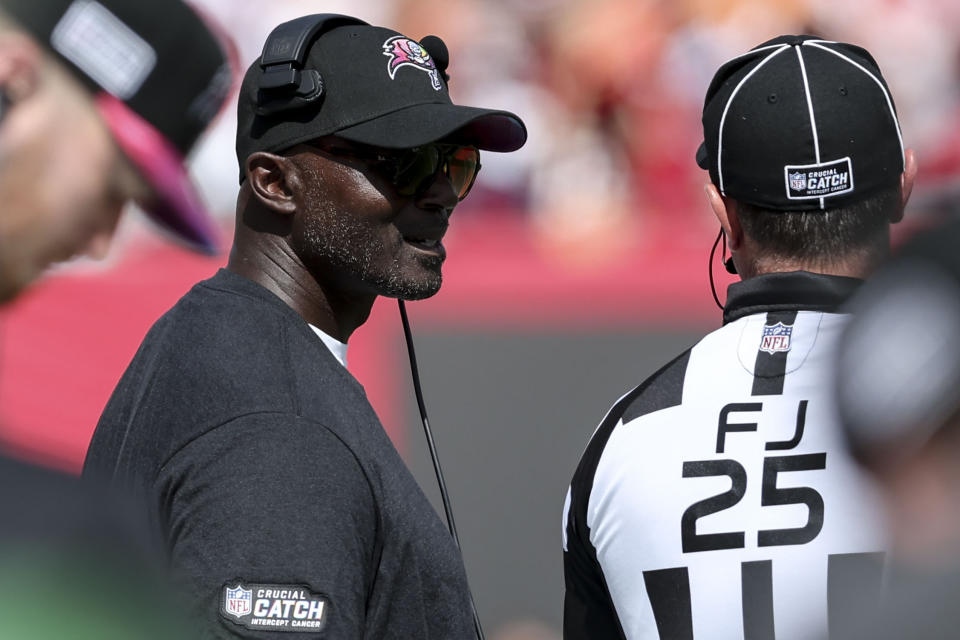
282 499
716 499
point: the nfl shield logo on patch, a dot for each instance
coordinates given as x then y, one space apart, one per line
798 181
776 338
238 601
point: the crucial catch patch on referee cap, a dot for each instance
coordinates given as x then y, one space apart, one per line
273 607
788 123
819 180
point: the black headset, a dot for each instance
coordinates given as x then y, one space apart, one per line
284 83
727 264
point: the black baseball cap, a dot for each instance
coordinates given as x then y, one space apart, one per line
801 123
159 75
375 87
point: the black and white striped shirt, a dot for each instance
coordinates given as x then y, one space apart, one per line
716 500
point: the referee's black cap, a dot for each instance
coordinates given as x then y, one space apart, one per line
159 73
373 86
801 123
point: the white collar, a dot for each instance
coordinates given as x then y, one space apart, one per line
337 348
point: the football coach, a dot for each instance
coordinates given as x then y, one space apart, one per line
281 497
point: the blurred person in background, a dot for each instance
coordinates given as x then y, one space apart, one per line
99 102
100 105
716 499
898 392
597 56
282 498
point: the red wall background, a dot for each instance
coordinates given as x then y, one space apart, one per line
65 343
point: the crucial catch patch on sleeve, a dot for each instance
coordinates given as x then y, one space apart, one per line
273 607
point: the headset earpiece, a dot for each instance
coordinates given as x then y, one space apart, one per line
438 51
727 262
284 83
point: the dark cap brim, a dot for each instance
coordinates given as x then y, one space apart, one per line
420 124
177 206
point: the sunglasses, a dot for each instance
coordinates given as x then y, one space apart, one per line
412 171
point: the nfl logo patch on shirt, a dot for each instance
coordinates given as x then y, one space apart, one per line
776 338
274 607
238 602
822 180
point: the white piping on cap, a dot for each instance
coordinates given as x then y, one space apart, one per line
723 118
813 120
886 94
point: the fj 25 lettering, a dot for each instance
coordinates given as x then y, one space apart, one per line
771 493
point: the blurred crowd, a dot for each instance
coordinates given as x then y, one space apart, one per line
611 91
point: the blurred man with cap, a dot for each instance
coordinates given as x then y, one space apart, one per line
281 496
99 103
716 499
898 393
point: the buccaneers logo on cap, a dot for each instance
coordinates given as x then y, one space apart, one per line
403 51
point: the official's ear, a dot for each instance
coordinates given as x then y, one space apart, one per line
725 210
273 180
907 179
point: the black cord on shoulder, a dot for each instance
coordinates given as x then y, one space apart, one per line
414 370
448 510
713 287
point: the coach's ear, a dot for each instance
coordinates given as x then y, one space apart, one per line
270 178
907 179
726 211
